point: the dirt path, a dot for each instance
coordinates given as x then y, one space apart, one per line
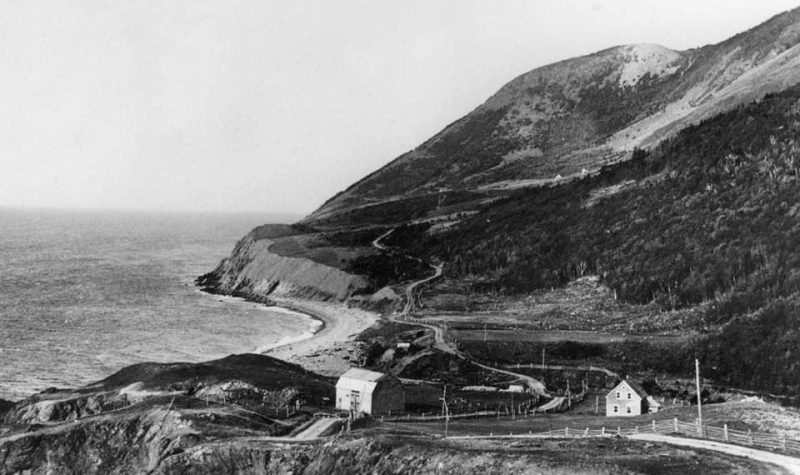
440 343
592 368
554 404
319 427
791 464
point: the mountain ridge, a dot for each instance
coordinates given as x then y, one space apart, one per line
571 117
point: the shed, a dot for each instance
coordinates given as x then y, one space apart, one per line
370 392
652 404
629 399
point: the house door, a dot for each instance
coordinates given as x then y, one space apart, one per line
355 401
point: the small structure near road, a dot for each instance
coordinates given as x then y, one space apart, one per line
629 399
369 392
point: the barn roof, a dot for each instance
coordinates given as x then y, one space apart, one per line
652 402
363 375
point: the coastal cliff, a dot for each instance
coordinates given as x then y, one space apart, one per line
254 271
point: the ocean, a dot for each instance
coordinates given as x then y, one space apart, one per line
84 294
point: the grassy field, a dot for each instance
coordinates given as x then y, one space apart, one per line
554 336
734 414
310 246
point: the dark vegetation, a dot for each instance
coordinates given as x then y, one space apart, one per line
719 221
5 406
400 210
272 231
709 217
628 356
387 268
262 371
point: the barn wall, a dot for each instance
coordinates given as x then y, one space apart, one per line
388 397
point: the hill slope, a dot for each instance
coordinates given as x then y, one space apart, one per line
570 118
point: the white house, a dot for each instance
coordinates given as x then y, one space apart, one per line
629 399
370 392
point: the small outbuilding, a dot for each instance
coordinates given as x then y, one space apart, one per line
629 399
369 392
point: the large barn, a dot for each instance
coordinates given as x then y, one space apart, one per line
370 392
629 399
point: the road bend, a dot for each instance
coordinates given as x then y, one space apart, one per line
440 342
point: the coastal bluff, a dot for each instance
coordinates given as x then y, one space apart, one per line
256 272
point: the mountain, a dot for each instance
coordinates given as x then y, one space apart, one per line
568 119
670 177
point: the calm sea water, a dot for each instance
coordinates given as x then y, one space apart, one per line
83 294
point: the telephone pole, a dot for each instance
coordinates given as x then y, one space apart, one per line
445 410
699 398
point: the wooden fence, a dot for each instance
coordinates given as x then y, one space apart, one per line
765 441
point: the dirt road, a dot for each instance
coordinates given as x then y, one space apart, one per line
790 464
440 343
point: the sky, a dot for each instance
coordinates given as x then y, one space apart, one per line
275 106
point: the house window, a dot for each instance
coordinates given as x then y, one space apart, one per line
618 397
616 408
629 410
629 395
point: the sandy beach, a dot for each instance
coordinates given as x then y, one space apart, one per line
331 349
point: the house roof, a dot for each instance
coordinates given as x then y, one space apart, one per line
652 402
636 389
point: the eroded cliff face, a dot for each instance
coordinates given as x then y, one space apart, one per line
123 443
253 271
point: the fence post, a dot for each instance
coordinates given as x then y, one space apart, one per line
783 443
566 430
586 433
676 425
725 431
603 431
654 425
619 430
750 436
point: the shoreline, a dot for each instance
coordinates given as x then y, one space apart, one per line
330 350
330 345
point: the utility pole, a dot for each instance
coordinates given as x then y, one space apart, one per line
699 398
445 410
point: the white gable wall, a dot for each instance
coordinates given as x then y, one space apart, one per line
354 394
623 401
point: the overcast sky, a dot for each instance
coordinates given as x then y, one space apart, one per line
274 106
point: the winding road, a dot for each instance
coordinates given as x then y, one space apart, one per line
440 343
